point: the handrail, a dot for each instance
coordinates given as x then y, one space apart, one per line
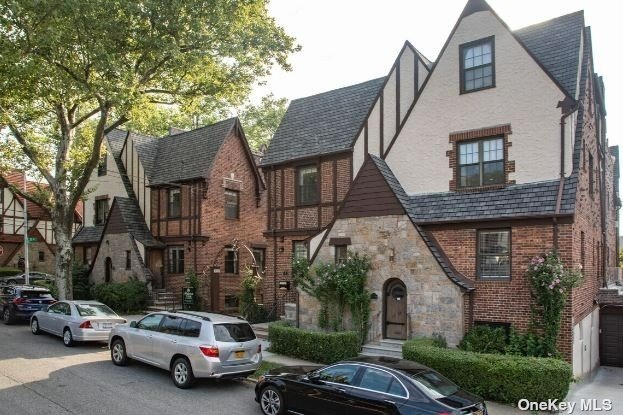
374 332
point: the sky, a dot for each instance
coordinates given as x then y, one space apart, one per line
345 42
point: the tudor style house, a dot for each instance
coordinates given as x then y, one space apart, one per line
162 208
41 245
462 170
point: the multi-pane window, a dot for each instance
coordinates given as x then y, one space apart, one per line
299 250
231 261
232 204
231 301
174 202
307 184
477 65
341 253
101 211
493 256
481 162
176 259
260 259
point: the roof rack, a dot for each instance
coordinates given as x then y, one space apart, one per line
192 314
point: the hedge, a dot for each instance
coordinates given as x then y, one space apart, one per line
123 297
501 378
9 272
310 345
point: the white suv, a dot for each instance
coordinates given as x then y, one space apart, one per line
190 344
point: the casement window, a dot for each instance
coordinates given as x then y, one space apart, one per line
307 185
102 166
176 259
101 211
174 206
341 254
231 261
128 260
260 259
299 250
477 61
232 204
481 162
493 253
232 301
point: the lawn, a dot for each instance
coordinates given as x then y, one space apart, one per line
264 367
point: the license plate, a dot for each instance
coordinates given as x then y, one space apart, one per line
107 325
239 354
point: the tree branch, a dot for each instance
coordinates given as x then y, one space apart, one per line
85 117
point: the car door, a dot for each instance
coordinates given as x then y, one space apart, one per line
378 392
51 320
328 391
45 318
140 338
165 340
59 319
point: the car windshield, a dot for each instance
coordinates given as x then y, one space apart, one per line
233 332
95 310
433 384
35 294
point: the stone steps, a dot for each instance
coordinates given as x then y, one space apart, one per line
261 330
385 347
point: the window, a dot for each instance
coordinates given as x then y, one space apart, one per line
307 185
481 162
494 254
101 210
41 256
341 253
102 165
381 381
591 176
299 250
88 256
477 65
128 260
344 374
176 259
191 328
175 201
260 259
232 204
231 261
151 322
231 301
233 332
171 325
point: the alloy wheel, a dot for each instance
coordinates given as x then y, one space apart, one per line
34 326
118 352
180 373
271 403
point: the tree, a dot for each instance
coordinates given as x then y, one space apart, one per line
261 121
73 70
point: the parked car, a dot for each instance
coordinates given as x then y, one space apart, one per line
19 302
189 344
364 385
76 321
20 279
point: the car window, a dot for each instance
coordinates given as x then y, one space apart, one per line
191 328
381 381
150 322
433 384
56 308
35 294
66 309
233 332
97 310
171 325
344 374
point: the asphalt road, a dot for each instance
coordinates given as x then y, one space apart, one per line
39 375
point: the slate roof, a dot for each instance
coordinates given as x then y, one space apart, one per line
147 149
88 234
556 44
322 124
135 221
189 155
116 138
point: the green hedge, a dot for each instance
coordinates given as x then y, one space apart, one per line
501 378
9 272
123 297
315 346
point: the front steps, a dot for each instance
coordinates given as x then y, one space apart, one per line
163 300
385 347
261 330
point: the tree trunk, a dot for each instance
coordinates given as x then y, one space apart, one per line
63 227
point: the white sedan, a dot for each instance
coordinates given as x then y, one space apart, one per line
76 321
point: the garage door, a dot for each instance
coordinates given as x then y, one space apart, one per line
611 336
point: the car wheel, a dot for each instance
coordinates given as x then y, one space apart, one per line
271 401
68 339
118 354
34 326
182 373
7 316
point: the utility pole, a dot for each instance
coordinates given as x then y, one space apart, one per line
26 275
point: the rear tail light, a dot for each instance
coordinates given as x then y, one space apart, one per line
19 300
209 351
86 325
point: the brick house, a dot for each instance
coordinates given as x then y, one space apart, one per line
164 207
466 168
42 248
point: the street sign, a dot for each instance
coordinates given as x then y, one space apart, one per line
32 239
188 298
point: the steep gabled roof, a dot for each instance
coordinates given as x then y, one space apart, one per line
88 235
324 123
147 149
135 221
116 139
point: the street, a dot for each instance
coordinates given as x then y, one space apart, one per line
39 375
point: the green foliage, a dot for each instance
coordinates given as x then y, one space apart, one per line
500 378
9 272
261 121
81 284
320 347
125 297
50 285
249 308
530 344
484 339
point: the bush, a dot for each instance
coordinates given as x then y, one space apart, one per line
315 346
9 272
50 285
502 378
80 282
484 339
123 297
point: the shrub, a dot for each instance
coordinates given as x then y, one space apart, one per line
310 345
80 282
484 339
9 271
50 285
502 378
123 297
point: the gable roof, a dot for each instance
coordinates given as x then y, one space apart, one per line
320 124
134 221
116 140
88 235
147 149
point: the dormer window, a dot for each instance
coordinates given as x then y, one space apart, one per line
477 65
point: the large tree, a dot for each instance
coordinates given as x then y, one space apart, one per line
72 70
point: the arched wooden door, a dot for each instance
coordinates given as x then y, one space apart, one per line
395 308
107 269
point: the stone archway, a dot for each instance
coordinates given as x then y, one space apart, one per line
395 309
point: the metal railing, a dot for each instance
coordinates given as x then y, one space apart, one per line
374 329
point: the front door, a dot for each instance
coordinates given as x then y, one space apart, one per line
395 310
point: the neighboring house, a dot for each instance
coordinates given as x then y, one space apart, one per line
162 208
42 245
500 154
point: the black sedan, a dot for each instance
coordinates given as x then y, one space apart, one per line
364 385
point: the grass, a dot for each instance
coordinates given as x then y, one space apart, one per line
264 367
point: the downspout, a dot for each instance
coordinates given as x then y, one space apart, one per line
567 107
272 226
602 203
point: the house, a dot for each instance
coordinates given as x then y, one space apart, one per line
463 170
41 242
162 208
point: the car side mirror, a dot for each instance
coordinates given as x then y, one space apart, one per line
314 377
133 324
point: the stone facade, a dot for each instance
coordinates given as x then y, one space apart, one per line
115 246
